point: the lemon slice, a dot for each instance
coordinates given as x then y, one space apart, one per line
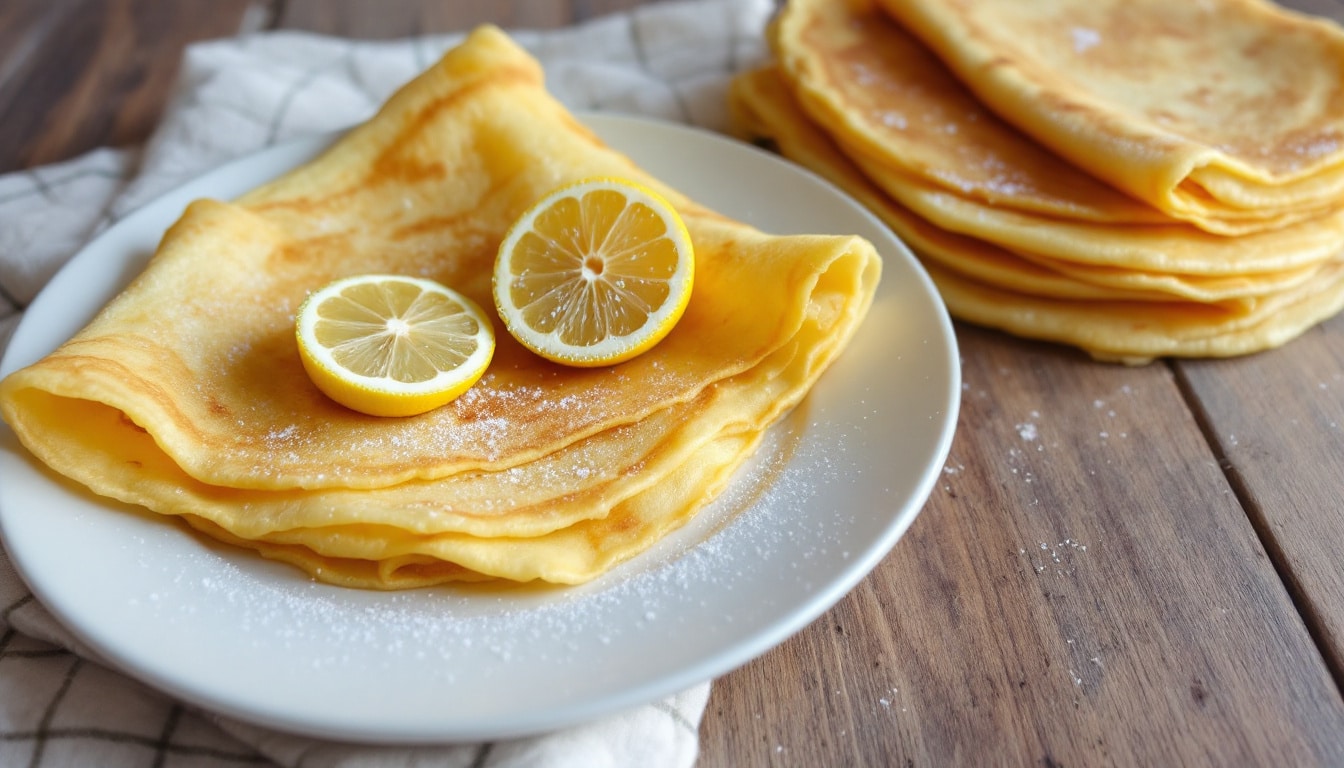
387 345
594 273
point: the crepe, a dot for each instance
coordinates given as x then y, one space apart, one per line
897 113
1228 114
1122 332
186 394
764 111
869 83
1139 318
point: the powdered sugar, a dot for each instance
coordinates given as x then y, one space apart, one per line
1084 39
894 120
468 635
1027 430
1057 559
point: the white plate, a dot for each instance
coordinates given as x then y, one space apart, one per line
840 481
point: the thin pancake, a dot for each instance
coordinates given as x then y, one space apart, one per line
988 286
569 556
765 109
868 82
186 395
426 188
1135 335
1222 113
838 54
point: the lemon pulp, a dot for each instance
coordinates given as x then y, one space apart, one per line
390 345
594 273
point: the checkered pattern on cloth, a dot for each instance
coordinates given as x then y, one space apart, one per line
58 706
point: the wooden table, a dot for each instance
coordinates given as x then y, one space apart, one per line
1135 566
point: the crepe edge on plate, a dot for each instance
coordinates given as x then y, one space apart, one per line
831 279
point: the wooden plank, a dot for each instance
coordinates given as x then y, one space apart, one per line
1277 422
1331 9
1082 588
402 18
79 74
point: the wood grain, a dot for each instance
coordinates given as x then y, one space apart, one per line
79 74
1276 422
1083 588
402 18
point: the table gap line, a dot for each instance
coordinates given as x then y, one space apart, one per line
1302 603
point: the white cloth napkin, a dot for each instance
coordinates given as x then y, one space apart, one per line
58 706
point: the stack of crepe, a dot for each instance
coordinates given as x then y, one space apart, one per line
1138 178
186 395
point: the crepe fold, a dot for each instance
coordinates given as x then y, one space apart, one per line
1017 236
1223 113
1118 316
186 395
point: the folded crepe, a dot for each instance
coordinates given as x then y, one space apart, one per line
899 114
1228 114
186 395
764 110
872 85
890 101
1124 317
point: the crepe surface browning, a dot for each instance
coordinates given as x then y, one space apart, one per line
1224 114
921 135
877 89
186 394
1121 316
1021 235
